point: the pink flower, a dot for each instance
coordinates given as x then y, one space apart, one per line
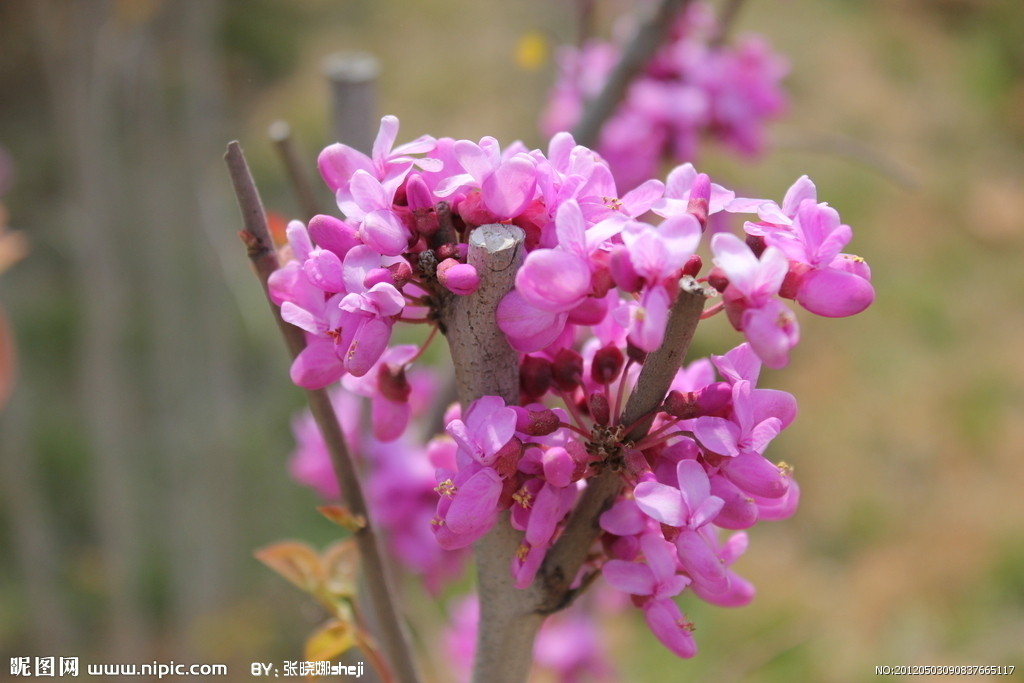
370 205
688 504
769 326
338 163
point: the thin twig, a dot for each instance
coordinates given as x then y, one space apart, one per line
256 237
287 149
638 53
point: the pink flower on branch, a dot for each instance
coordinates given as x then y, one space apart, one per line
591 306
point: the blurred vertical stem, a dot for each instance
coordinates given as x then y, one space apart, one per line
649 37
391 633
287 150
353 81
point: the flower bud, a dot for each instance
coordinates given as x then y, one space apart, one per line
597 403
507 459
392 383
757 244
540 423
714 398
635 353
334 234
607 364
534 376
718 279
459 278
446 251
377 275
567 370
794 276
401 273
680 405
692 266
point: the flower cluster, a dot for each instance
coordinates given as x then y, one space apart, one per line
693 87
591 301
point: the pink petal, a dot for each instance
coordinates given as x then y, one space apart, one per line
834 293
385 232
756 475
630 577
333 233
733 256
772 331
700 561
559 466
386 136
323 268
369 343
508 190
802 189
666 623
338 162
473 508
317 365
553 280
528 328
717 435
389 418
662 503
624 519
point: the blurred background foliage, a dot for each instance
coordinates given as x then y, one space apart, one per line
142 453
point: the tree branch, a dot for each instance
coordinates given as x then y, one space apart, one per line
563 561
281 135
256 236
485 364
638 53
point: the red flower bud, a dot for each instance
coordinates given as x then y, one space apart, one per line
542 422
757 244
718 279
597 403
693 266
401 273
534 376
567 370
607 364
635 353
680 405
392 383
794 276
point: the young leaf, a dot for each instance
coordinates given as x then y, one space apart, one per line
295 561
330 640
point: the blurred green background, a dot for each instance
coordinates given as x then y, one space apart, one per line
142 453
